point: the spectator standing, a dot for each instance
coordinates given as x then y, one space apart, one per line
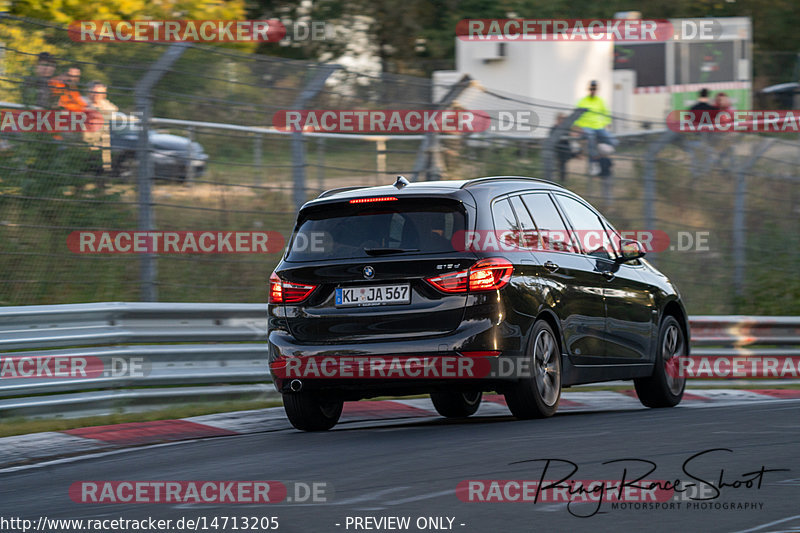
593 122
723 102
65 88
99 135
702 103
566 147
36 88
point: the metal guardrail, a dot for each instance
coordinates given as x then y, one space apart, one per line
188 350
745 335
204 352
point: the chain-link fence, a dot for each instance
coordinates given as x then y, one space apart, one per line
730 203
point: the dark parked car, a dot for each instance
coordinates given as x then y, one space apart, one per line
779 96
380 273
174 156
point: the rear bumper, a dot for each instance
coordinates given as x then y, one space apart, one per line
449 369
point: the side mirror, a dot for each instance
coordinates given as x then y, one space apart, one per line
630 250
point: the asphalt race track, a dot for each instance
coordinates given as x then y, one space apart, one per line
411 467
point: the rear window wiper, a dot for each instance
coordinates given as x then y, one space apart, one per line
387 251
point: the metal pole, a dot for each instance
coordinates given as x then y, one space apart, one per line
147 274
608 188
190 159
380 157
649 175
425 161
257 155
298 140
143 101
739 235
298 169
321 164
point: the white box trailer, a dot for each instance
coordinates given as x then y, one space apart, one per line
640 82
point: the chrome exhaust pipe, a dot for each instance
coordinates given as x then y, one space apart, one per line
296 385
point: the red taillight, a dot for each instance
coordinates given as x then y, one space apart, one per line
453 282
287 292
275 289
376 199
485 275
490 274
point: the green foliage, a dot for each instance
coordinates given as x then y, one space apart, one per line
68 11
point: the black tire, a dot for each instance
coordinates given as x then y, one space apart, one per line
537 396
456 404
664 388
311 413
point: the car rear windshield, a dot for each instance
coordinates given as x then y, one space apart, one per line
396 227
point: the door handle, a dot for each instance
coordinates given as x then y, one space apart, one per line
552 267
608 275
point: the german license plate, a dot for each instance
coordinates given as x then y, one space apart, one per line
373 295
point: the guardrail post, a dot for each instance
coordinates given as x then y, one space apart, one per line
144 104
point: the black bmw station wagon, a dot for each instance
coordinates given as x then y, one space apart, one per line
456 288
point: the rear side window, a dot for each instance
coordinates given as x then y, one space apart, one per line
588 227
553 232
506 224
529 237
345 231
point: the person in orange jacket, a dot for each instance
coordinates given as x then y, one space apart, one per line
65 87
66 94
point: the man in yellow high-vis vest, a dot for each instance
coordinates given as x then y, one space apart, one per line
593 123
